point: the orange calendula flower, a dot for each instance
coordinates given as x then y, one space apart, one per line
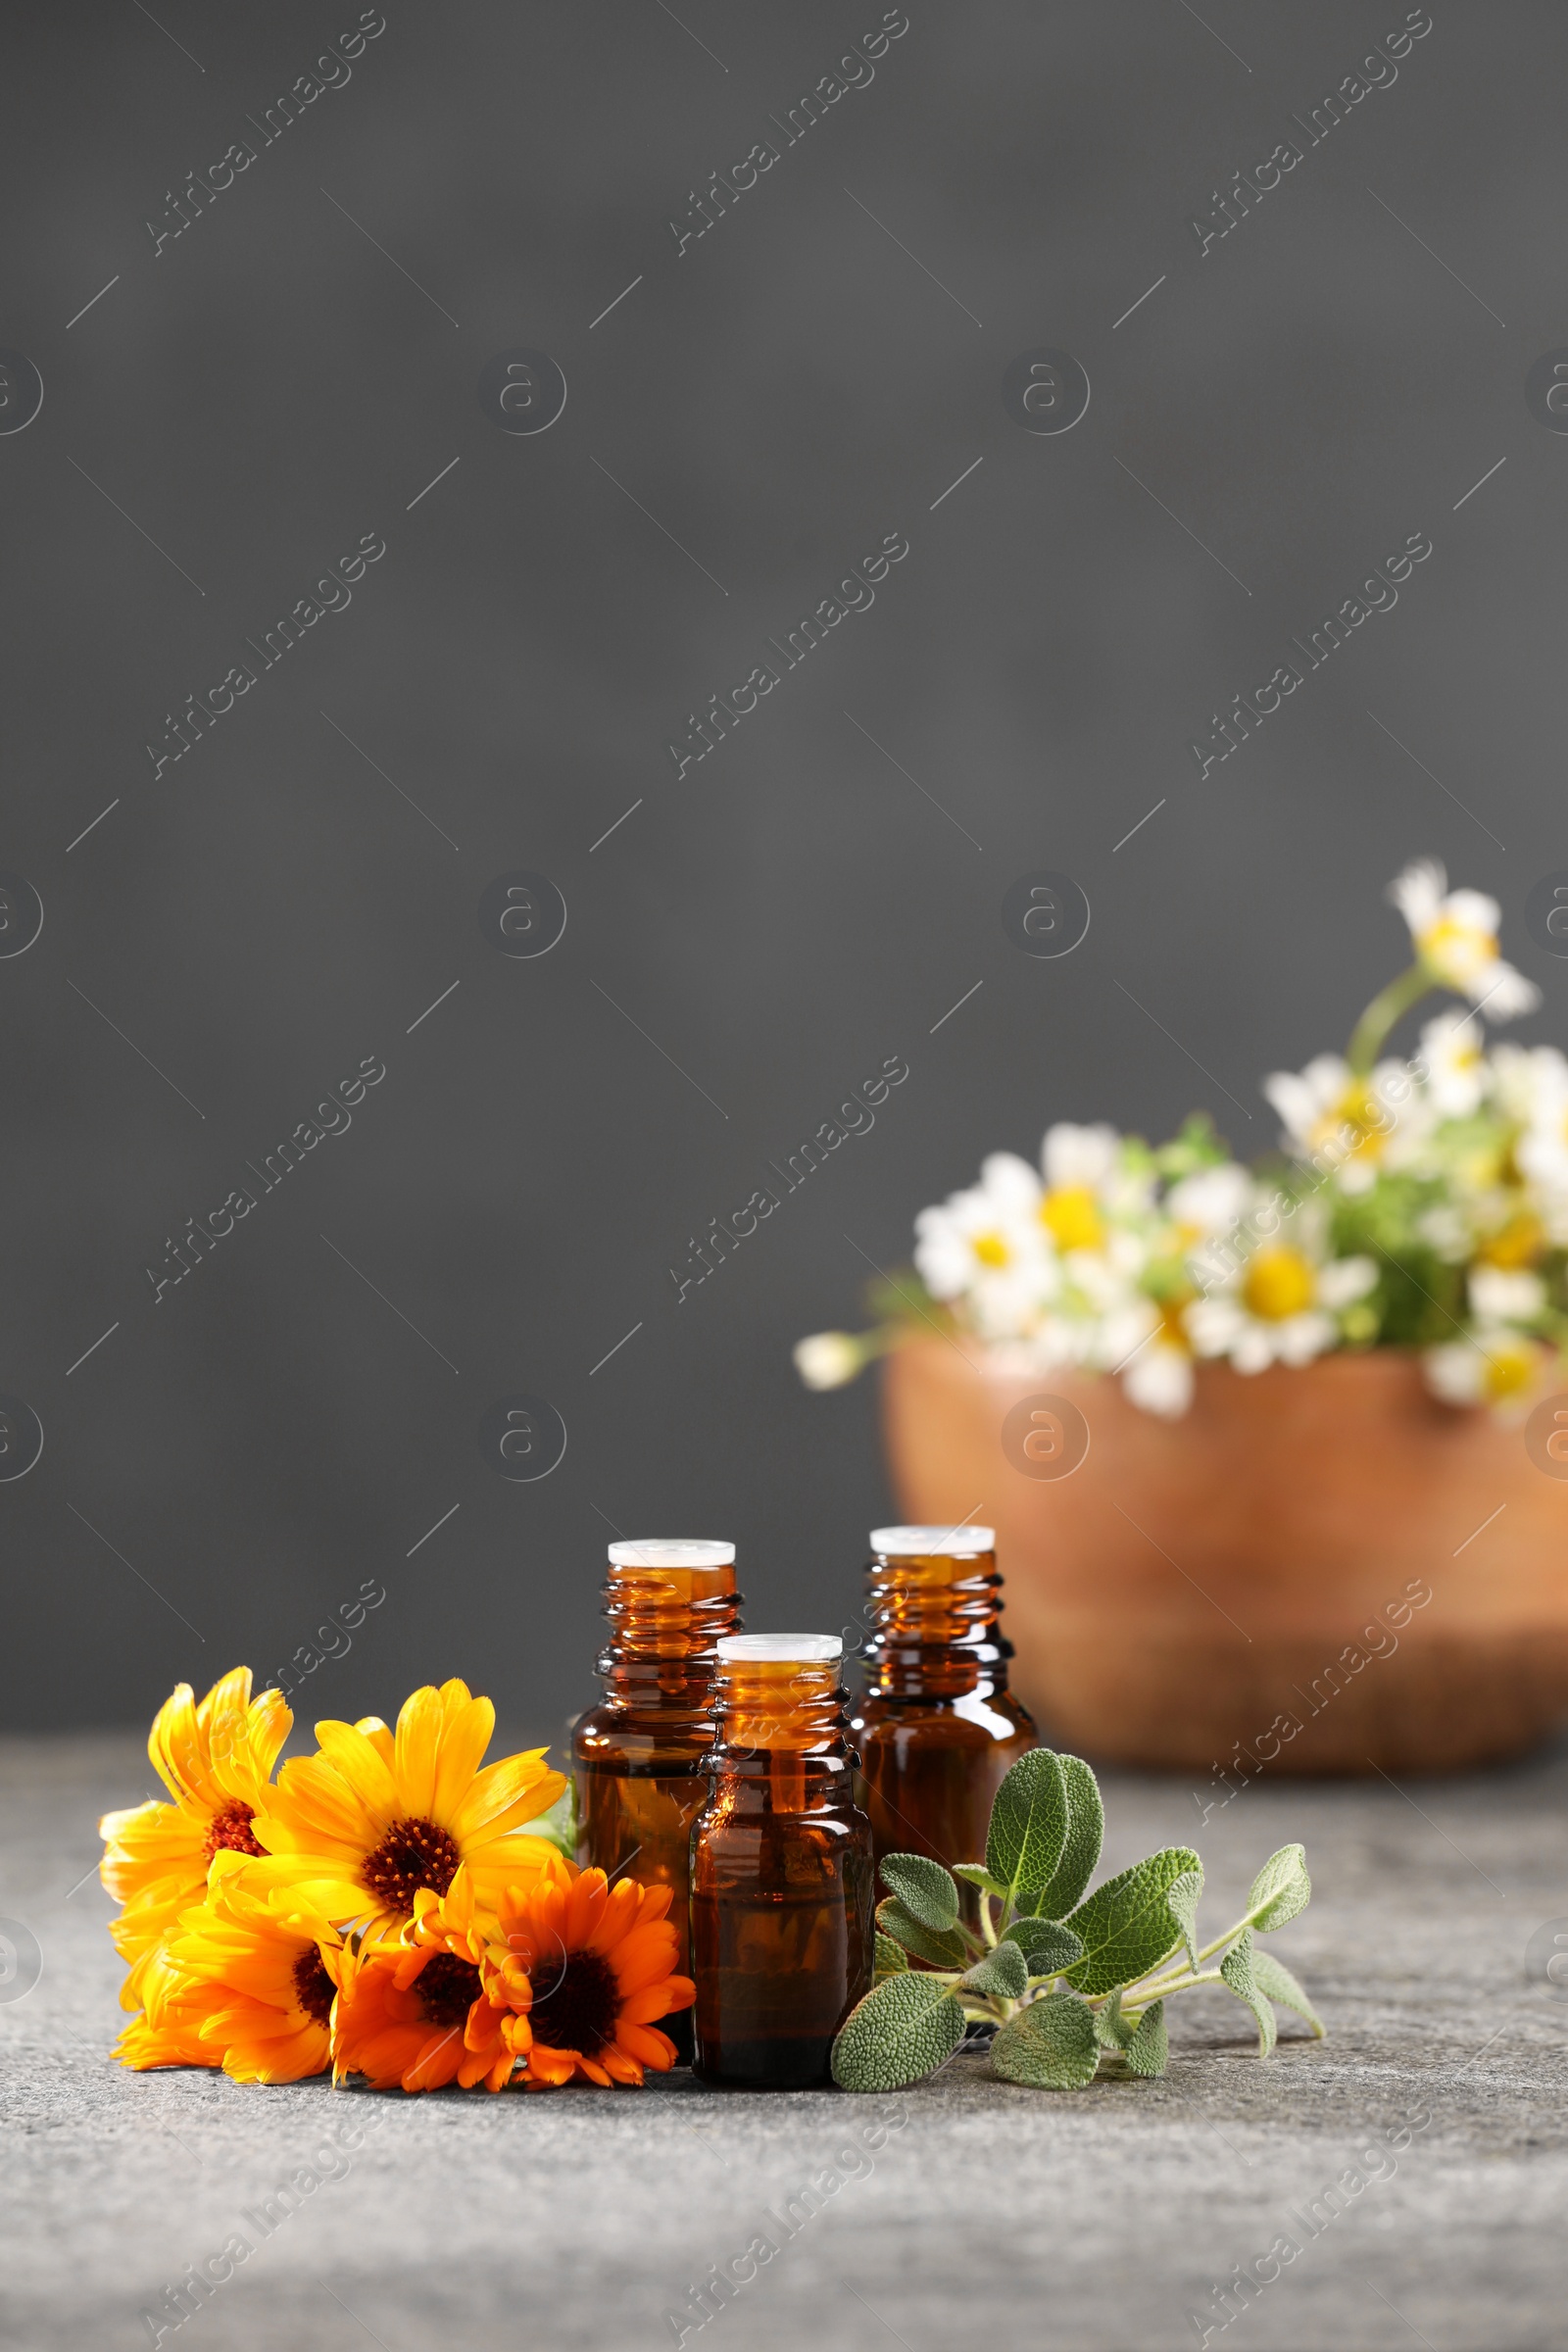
600 1961
564 1977
354 1833
240 1987
422 2010
214 1757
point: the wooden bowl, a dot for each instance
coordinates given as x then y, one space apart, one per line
1242 1588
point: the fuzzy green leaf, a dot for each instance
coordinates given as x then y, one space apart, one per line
1028 1826
1280 1891
1237 1969
1181 1898
943 1951
977 1875
1276 1983
1113 2031
889 1959
1049 2046
1080 1853
901 2032
1003 1970
924 1889
1046 1946
1126 1924
1147 2053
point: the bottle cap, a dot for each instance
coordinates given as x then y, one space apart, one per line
671 1551
924 1541
797 1650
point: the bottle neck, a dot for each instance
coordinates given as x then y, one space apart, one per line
664 1628
934 1630
782 1736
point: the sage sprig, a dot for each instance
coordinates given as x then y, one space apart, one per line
1075 1983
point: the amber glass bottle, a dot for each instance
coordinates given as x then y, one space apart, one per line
639 1756
938 1728
782 1877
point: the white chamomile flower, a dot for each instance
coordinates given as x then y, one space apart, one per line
828 1358
1087 1185
1500 1295
1534 1088
985 1247
1531 1085
1114 1336
1447 1229
1159 1377
1456 937
1353 1126
1053 1344
1104 1282
1456 1065
1494 1365
1012 1184
1208 1203
1281 1305
1160 1380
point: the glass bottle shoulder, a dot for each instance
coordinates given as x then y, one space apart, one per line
633 1741
979 1718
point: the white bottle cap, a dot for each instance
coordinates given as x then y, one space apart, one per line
945 1542
788 1650
671 1551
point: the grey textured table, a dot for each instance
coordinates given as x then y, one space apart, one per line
581 2219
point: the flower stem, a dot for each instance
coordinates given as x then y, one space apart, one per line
1387 1006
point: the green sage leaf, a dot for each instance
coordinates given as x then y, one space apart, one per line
1126 1925
1080 1851
890 1957
1181 1901
900 2032
1028 1826
924 1889
1237 1969
977 1875
1147 2053
1046 1946
1049 2046
1003 1970
1113 2031
1281 1890
942 1951
1276 1983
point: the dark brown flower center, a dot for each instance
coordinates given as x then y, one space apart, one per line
314 1989
413 1854
448 1988
582 2010
231 1827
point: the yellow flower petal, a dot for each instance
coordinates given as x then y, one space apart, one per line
379 1736
506 1794
469 1729
417 1746
367 1772
313 1809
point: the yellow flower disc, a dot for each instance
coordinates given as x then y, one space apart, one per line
1516 1244
1511 1371
1278 1284
1071 1216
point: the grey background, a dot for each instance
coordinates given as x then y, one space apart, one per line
779 395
